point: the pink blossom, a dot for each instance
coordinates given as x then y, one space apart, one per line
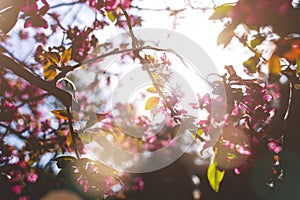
86 187
272 145
237 171
243 151
32 177
278 149
125 3
17 189
111 4
268 97
22 164
165 60
108 182
235 111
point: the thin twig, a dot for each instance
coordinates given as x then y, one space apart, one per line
143 61
68 69
73 133
66 4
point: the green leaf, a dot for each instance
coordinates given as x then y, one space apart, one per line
231 156
221 11
151 103
111 16
226 35
252 63
200 132
86 137
298 65
256 41
214 176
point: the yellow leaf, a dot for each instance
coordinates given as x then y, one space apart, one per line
66 56
111 16
199 135
52 57
151 89
62 114
200 132
151 103
274 64
49 71
150 58
214 176
69 139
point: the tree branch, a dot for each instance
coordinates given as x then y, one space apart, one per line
21 71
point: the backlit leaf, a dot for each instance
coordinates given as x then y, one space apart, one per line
251 64
256 41
214 176
111 16
222 11
69 139
199 135
151 103
226 35
53 57
62 114
200 132
86 137
231 156
298 65
150 58
274 64
151 89
66 56
49 71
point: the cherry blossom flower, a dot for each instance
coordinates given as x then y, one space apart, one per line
17 189
32 177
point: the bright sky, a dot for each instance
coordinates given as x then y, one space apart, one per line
195 25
